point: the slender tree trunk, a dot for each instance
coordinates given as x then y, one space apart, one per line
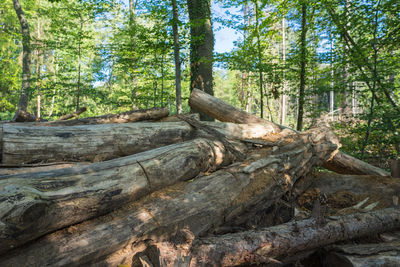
303 58
332 92
38 70
178 89
162 79
55 62
260 58
26 56
79 67
374 73
283 97
201 47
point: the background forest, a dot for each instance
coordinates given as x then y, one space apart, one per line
296 63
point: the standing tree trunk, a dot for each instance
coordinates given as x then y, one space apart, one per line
175 23
260 58
78 94
26 56
283 97
303 58
201 47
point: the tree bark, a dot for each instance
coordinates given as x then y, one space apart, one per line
267 246
24 144
196 206
303 62
222 111
129 116
346 164
34 204
178 89
364 255
26 56
201 47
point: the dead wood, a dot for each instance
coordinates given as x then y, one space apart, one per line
222 111
33 204
344 191
346 164
197 206
273 243
24 143
382 254
73 114
129 116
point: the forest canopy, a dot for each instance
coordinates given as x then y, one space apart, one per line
297 63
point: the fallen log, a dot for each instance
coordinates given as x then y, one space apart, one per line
73 114
269 245
364 255
222 111
346 164
218 109
24 144
196 205
33 204
129 116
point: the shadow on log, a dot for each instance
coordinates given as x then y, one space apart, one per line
198 205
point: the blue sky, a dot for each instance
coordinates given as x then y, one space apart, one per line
224 36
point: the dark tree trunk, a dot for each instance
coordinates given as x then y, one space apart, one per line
177 57
26 56
303 58
201 47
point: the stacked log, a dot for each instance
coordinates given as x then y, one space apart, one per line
161 193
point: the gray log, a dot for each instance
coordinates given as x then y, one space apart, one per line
33 204
267 246
196 205
24 143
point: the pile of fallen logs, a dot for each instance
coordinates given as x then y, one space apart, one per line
147 189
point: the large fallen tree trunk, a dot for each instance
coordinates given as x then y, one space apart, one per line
33 204
269 245
24 144
197 205
222 111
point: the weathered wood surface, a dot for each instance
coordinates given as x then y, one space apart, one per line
30 168
33 204
196 205
218 109
385 254
73 114
222 111
266 246
346 164
385 190
174 117
129 116
24 143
